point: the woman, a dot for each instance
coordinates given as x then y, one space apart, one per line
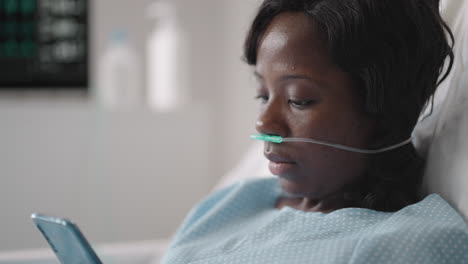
352 72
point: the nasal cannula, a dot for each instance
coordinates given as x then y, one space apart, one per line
279 139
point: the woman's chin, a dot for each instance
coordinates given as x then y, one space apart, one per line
294 189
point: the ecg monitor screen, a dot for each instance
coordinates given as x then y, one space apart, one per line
43 44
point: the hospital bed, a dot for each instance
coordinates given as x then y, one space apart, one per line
442 138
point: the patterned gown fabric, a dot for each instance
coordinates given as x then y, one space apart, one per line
239 224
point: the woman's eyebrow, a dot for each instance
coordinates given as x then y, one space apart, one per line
296 77
313 81
288 77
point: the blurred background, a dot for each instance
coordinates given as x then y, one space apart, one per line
118 114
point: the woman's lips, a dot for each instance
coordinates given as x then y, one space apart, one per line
280 168
279 164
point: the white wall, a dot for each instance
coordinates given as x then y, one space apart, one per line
108 171
122 176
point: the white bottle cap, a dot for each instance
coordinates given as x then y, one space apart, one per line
161 10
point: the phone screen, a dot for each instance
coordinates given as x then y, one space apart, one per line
66 240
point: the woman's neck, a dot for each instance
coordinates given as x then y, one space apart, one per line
306 204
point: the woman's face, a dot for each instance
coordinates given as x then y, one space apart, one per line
304 94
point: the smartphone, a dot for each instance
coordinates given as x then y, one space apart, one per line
66 240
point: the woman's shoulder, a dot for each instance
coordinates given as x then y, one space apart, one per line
431 216
430 231
434 211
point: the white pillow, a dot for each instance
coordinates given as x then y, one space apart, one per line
442 136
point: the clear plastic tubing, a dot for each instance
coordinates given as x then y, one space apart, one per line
279 140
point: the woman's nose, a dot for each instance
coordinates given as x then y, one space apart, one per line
271 120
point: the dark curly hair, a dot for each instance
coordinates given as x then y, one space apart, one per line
395 50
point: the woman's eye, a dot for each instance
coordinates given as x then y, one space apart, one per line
263 98
300 103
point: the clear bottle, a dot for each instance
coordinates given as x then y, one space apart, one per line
167 60
119 74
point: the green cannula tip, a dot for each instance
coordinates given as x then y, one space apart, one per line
274 139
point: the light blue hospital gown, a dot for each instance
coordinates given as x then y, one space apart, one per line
239 224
